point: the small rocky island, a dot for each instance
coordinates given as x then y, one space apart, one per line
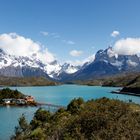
15 98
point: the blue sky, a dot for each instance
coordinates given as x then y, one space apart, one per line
82 25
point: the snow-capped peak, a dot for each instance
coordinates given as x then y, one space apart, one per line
53 69
119 61
69 68
111 52
11 65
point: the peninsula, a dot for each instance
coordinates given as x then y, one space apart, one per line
130 83
15 98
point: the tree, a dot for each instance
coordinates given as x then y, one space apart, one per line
42 115
75 105
22 130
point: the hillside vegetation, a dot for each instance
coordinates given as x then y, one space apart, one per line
25 81
101 119
129 82
7 93
133 86
119 80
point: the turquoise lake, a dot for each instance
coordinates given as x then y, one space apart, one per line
58 95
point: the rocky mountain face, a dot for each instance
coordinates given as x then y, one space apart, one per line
121 62
13 66
20 66
106 63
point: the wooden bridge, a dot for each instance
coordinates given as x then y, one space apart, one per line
51 106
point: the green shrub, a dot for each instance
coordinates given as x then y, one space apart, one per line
101 119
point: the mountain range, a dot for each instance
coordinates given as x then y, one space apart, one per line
20 66
106 63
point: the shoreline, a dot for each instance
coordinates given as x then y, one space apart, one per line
1 86
33 104
20 105
125 93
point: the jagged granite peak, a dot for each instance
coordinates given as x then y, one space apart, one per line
121 61
21 66
69 68
54 62
106 55
1 51
107 62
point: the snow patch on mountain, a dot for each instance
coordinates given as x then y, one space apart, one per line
52 69
121 62
104 62
69 68
131 63
117 63
111 53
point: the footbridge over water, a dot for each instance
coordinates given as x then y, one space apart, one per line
51 106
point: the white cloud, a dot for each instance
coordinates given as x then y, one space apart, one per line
15 44
76 53
69 42
81 62
127 46
55 35
115 33
45 56
44 33
75 63
89 59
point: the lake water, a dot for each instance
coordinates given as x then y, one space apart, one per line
59 95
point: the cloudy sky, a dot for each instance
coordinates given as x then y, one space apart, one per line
69 30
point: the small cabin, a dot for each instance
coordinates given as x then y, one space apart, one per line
29 98
20 101
7 101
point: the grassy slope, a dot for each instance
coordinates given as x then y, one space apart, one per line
28 81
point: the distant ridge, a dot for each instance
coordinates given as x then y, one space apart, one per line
106 63
26 81
20 66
